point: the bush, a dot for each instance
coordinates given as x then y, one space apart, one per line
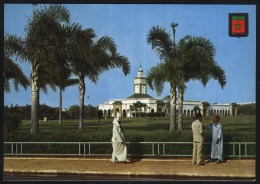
247 109
12 121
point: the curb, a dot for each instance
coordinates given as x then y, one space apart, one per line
64 172
108 159
129 171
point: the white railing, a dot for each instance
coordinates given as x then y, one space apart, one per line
235 149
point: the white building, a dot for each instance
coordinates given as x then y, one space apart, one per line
123 107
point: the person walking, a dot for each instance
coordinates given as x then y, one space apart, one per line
197 130
118 143
217 140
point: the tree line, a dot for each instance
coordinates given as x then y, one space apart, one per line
246 109
52 113
58 49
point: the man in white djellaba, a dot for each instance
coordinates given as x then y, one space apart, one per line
217 140
118 143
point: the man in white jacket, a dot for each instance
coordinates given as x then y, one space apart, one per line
118 143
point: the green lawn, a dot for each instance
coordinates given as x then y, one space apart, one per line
235 129
140 126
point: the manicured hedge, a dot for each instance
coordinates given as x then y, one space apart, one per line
132 137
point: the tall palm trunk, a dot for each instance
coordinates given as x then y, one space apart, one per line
81 107
173 107
180 108
60 108
35 102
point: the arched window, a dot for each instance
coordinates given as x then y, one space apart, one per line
124 113
117 112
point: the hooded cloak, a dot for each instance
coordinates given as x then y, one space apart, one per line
118 142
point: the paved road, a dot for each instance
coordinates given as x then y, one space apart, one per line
79 177
34 168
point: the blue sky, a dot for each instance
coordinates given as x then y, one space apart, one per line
129 25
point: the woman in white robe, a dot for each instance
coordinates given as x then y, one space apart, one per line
217 139
118 143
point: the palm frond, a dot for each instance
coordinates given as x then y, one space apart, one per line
14 72
7 86
59 12
14 46
105 56
120 61
107 44
156 78
161 42
196 58
219 74
53 86
72 82
44 89
45 32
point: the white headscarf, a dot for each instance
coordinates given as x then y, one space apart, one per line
116 121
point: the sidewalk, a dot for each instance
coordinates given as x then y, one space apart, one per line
244 168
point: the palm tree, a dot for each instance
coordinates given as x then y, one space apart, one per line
196 58
191 59
44 32
62 73
90 58
138 106
67 83
45 36
164 72
133 108
62 80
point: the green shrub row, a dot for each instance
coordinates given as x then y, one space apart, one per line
131 136
133 148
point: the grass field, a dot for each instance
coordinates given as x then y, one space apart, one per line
235 129
140 126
